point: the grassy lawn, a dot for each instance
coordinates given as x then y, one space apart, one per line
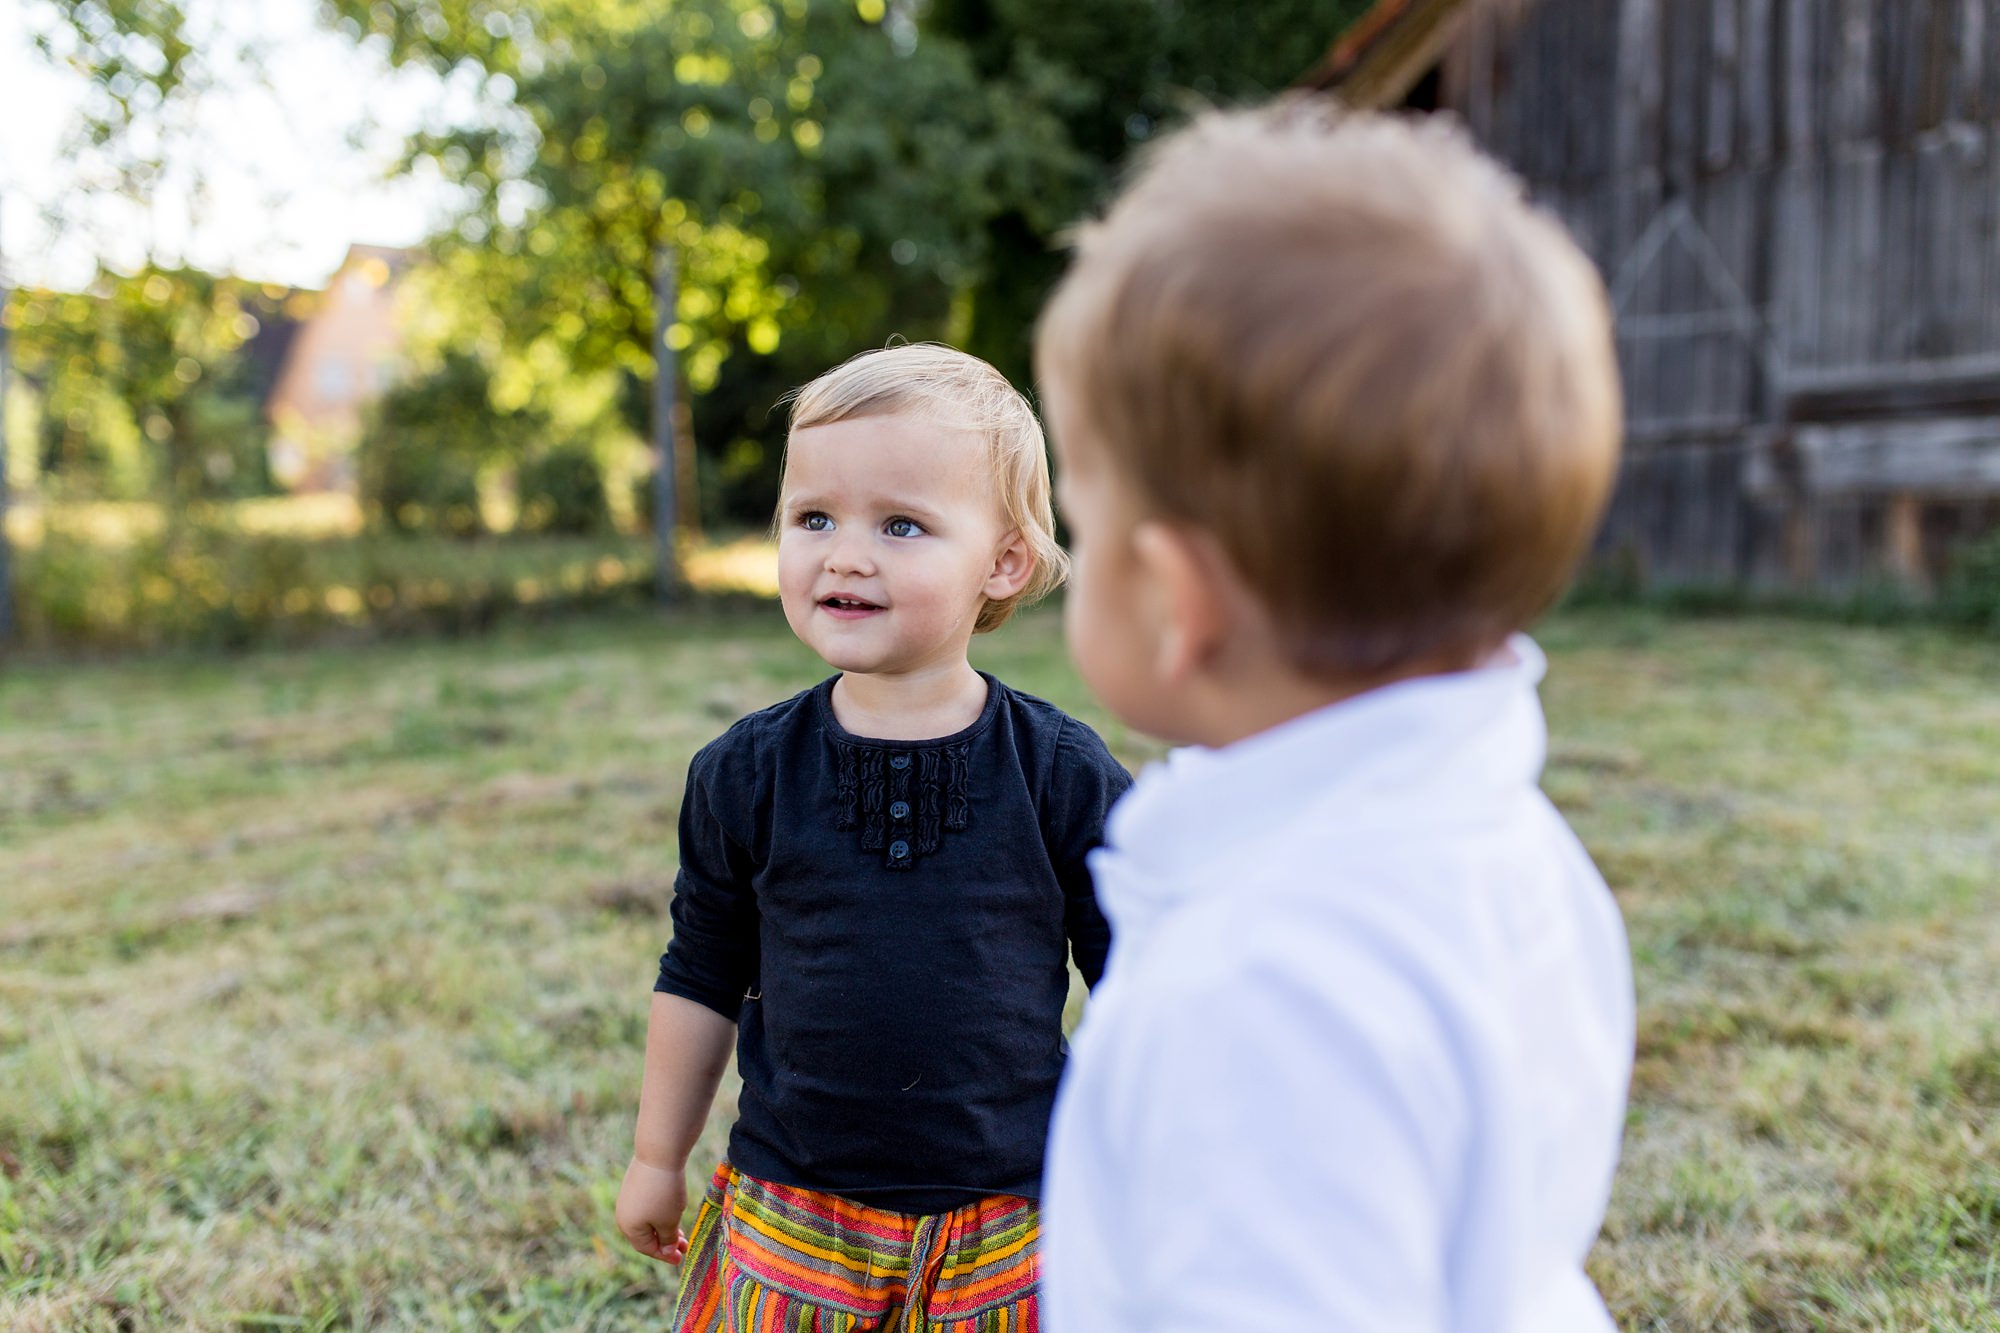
323 976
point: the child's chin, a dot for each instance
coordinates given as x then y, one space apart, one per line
846 657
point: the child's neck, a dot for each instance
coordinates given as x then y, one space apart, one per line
910 706
1261 696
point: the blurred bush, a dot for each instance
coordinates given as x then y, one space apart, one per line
205 582
425 443
1971 592
561 490
410 490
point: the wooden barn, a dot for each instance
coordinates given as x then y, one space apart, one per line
1796 207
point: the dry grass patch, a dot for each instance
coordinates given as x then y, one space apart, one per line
323 977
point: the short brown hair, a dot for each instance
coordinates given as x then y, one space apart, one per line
1346 347
959 390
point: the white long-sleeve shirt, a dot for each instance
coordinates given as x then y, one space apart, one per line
1360 1056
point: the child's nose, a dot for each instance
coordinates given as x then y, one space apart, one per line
849 553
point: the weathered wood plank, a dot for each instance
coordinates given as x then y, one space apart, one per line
1746 220
1760 81
1713 353
1939 222
1725 78
1885 271
1596 116
1861 301
1937 64
1686 82
1636 114
1839 191
1957 456
1730 558
1842 543
1944 218
1764 543
1857 98
1799 270
1800 82
1989 60
1987 196
1911 389
1968 92
1801 543
1894 40
1903 541
1971 148
1971 369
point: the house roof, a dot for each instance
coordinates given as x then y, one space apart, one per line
1379 57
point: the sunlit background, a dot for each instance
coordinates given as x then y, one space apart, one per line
341 740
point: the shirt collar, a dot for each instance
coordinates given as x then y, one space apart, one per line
1407 750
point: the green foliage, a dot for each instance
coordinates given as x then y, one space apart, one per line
1110 75
412 488
562 490
425 441
829 174
142 384
1971 594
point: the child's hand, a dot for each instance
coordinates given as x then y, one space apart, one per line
650 1204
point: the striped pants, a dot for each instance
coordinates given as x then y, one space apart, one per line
768 1258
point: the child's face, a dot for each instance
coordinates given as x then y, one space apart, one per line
1108 614
889 538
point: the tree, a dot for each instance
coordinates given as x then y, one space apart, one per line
833 173
147 66
142 382
141 385
1112 74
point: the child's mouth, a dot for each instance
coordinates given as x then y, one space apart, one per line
847 608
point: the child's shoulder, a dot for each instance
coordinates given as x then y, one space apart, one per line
1067 760
746 736
1063 730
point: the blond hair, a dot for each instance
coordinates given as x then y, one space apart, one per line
1347 348
958 390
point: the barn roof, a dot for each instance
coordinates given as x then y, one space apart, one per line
1382 54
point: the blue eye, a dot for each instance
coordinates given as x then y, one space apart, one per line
815 522
902 527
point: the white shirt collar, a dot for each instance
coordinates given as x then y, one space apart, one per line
1410 748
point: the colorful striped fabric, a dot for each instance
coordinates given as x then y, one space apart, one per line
768 1258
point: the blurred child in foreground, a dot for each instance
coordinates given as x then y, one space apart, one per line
881 883
1335 415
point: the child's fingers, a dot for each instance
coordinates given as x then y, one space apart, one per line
649 1242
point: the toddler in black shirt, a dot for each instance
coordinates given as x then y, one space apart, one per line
881 882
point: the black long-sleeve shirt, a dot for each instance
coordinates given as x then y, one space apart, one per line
888 923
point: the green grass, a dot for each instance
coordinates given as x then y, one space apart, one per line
323 976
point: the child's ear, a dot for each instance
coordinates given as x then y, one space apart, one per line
1013 566
1192 596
